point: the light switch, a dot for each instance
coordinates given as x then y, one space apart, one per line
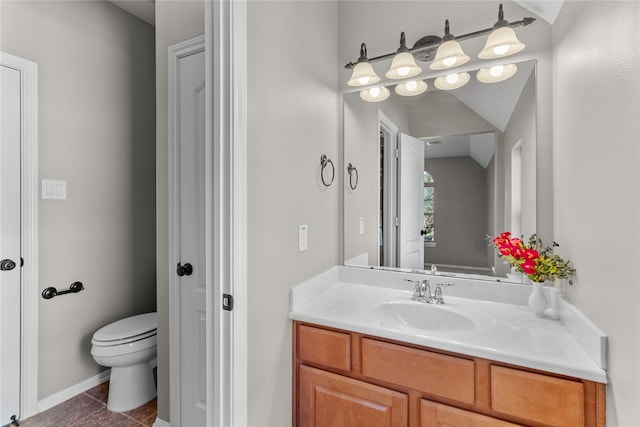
54 189
302 238
361 225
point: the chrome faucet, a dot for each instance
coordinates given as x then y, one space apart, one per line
421 290
426 291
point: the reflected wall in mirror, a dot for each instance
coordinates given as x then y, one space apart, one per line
444 169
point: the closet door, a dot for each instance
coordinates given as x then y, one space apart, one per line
10 278
187 194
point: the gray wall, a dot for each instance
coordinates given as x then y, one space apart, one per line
460 212
176 21
292 121
596 106
96 131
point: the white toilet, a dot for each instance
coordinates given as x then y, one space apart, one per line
128 347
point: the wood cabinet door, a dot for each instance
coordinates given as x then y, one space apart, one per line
434 414
330 400
540 398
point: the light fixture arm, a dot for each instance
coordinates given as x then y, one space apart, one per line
447 34
403 44
430 45
363 54
501 21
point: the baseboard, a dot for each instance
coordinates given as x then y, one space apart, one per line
161 423
74 390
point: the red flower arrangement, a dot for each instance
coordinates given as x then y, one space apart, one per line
533 258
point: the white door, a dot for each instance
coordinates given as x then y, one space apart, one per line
189 262
410 202
10 278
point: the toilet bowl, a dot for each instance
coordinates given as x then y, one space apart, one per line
128 347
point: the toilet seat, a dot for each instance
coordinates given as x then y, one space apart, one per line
124 331
126 349
102 343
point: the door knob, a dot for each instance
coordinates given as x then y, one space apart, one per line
7 264
184 270
423 232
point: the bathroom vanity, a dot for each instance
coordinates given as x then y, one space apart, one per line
365 354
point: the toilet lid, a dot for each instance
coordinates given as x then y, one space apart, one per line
128 327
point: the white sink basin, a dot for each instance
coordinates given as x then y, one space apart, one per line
428 317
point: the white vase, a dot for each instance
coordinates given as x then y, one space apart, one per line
537 299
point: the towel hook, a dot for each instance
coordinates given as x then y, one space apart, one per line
352 171
324 160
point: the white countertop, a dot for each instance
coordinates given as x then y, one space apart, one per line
505 329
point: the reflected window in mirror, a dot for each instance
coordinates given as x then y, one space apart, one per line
429 208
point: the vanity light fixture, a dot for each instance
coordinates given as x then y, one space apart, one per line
411 88
450 53
496 73
452 81
502 41
403 65
363 73
375 94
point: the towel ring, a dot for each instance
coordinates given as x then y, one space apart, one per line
324 160
352 170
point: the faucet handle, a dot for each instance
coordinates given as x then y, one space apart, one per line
437 298
416 289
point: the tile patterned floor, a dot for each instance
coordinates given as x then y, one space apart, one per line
89 409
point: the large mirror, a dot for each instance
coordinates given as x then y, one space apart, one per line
439 172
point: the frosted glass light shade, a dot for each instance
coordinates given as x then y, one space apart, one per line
497 73
403 66
411 88
452 81
501 42
363 74
375 94
449 54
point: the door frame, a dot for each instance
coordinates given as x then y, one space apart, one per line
29 232
176 52
390 190
226 218
225 214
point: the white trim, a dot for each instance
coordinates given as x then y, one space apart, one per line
74 390
29 237
226 192
389 226
161 423
176 52
238 214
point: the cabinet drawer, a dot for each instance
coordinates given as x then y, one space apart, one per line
436 374
436 415
332 400
536 397
328 348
